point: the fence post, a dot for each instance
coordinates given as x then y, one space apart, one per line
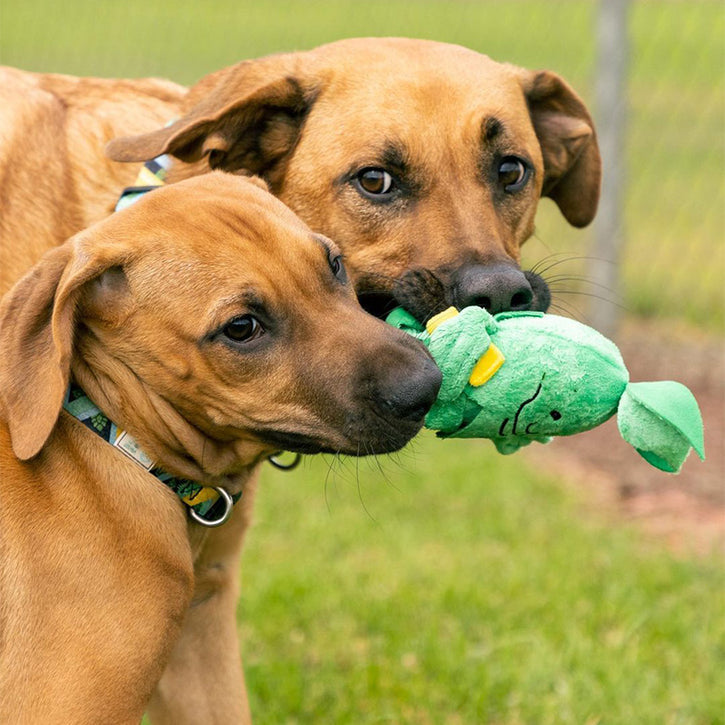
611 114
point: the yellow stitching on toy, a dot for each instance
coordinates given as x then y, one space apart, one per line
487 366
440 318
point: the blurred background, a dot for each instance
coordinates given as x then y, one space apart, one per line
449 584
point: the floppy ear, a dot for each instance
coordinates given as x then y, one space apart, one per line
246 117
572 164
37 327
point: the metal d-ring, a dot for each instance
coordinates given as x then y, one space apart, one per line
225 496
285 466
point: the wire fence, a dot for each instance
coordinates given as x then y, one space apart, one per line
668 237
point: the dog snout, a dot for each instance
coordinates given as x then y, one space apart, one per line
408 391
496 288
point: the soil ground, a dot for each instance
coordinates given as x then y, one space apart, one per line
688 510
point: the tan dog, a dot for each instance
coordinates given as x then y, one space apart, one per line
424 161
212 325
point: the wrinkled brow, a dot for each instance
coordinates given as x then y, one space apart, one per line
248 300
395 156
331 249
324 242
491 128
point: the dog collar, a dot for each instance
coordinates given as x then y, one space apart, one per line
152 175
208 505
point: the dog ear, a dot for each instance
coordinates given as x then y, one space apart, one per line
37 329
572 164
246 117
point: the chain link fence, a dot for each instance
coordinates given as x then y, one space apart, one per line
669 240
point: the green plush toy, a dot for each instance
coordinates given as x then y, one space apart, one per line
518 377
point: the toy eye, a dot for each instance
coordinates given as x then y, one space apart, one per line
243 329
555 414
375 182
513 174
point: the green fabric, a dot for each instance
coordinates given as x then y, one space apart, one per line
662 421
559 378
460 343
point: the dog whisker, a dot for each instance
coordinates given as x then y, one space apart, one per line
576 278
569 310
374 462
537 267
555 284
330 472
564 259
590 294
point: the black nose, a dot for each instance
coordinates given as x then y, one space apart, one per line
408 393
496 287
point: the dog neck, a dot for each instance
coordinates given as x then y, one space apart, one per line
208 505
167 438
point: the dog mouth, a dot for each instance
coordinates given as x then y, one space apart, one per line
296 442
359 440
423 293
540 289
378 304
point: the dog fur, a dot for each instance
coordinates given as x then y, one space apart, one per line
111 599
441 120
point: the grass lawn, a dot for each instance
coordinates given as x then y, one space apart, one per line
456 586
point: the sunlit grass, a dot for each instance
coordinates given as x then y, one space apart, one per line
462 588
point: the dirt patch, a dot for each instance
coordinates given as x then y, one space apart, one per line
687 510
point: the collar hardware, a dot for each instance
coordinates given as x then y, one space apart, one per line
277 462
208 505
225 502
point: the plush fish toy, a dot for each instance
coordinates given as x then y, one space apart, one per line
518 377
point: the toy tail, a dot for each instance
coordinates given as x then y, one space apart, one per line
662 421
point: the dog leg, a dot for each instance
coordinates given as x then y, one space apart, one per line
203 682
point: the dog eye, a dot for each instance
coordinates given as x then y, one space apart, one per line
513 174
243 329
338 268
375 181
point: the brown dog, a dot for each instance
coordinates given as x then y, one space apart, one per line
424 161
214 327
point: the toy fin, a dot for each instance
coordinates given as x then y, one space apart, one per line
662 421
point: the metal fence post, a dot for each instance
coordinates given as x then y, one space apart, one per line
611 113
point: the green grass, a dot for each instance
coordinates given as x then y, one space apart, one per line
461 588
674 258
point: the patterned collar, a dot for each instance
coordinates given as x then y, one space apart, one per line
153 174
208 505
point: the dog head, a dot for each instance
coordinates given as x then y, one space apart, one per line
211 323
424 161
